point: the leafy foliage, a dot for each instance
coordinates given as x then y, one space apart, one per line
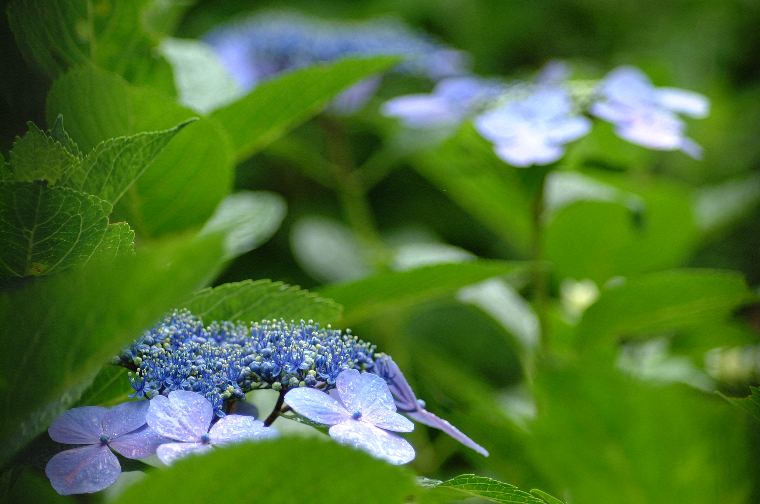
489 489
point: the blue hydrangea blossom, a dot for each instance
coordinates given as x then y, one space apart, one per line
361 415
533 130
93 467
408 404
646 115
185 418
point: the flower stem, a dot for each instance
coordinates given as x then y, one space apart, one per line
277 409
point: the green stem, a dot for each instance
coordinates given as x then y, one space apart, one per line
539 277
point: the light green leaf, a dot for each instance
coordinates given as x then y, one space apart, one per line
119 239
372 296
203 84
280 104
750 404
353 476
248 218
662 301
718 207
186 180
46 229
546 497
115 164
59 133
109 388
57 332
470 485
261 299
39 156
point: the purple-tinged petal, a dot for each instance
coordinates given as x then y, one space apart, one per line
568 129
183 416
124 418
139 444
374 441
83 470
237 428
386 368
427 418
170 452
528 151
78 426
365 393
627 85
316 405
355 97
388 420
691 148
422 111
686 102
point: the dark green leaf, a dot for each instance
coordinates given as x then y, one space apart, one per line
285 470
187 179
109 388
46 229
57 332
662 301
39 156
372 296
275 106
470 485
749 404
262 299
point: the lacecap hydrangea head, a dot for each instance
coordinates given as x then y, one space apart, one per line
224 360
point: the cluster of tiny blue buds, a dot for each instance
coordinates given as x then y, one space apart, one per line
224 360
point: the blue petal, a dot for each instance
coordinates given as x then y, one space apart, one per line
78 426
124 418
170 452
374 441
427 418
183 416
364 392
237 428
83 470
138 444
316 406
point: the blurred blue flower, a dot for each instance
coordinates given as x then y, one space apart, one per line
185 420
408 404
452 101
533 130
263 45
225 360
646 115
360 416
93 467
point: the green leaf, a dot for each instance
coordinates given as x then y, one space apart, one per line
662 301
750 405
202 82
57 332
115 164
119 239
61 35
363 299
109 388
546 497
352 476
39 156
186 180
47 229
280 104
261 299
466 170
249 218
470 485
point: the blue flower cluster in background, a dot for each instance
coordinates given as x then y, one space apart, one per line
257 47
223 361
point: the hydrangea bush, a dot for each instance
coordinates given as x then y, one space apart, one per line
525 246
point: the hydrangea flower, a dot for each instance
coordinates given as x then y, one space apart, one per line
186 418
646 115
225 360
266 44
408 404
533 130
452 101
360 416
93 467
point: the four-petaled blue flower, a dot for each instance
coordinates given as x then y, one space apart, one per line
533 130
94 467
646 115
361 416
186 418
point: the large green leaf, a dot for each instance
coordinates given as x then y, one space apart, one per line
470 485
186 180
39 156
275 106
372 296
660 302
262 299
284 470
58 331
59 35
46 229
